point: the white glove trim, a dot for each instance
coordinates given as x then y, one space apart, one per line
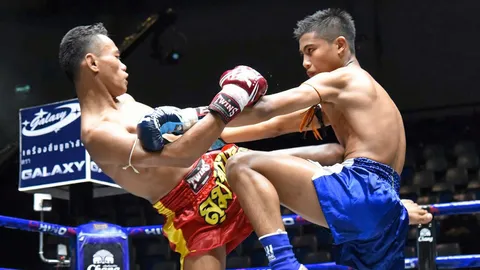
239 94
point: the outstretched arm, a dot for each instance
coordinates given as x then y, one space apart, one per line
325 154
112 144
324 87
271 128
279 125
273 105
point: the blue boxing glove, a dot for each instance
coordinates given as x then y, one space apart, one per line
178 121
148 132
164 120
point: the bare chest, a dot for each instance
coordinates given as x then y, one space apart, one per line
149 183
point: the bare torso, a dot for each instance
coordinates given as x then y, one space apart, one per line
374 130
151 183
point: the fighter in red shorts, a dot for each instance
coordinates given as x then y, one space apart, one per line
110 123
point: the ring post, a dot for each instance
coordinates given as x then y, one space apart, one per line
101 246
426 244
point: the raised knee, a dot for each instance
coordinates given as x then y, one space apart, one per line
238 162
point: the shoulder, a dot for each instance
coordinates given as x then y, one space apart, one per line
349 75
338 78
361 81
127 103
352 78
101 130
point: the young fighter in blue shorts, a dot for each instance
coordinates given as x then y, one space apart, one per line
358 198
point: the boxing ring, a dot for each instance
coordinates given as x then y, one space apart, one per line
99 245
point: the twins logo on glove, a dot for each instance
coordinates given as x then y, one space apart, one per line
241 87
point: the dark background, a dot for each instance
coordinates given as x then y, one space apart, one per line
425 53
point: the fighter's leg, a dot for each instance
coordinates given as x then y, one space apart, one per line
247 174
214 259
268 179
326 154
329 154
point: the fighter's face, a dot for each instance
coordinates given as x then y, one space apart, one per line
111 71
319 55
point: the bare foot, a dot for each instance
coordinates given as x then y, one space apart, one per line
416 214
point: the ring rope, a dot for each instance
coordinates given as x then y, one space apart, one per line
446 262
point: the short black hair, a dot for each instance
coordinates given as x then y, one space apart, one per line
328 24
75 44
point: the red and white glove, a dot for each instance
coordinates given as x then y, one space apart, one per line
241 86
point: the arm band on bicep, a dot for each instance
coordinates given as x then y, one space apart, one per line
316 91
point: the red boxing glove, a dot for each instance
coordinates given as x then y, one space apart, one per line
241 86
247 78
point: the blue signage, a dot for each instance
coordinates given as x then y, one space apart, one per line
51 152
